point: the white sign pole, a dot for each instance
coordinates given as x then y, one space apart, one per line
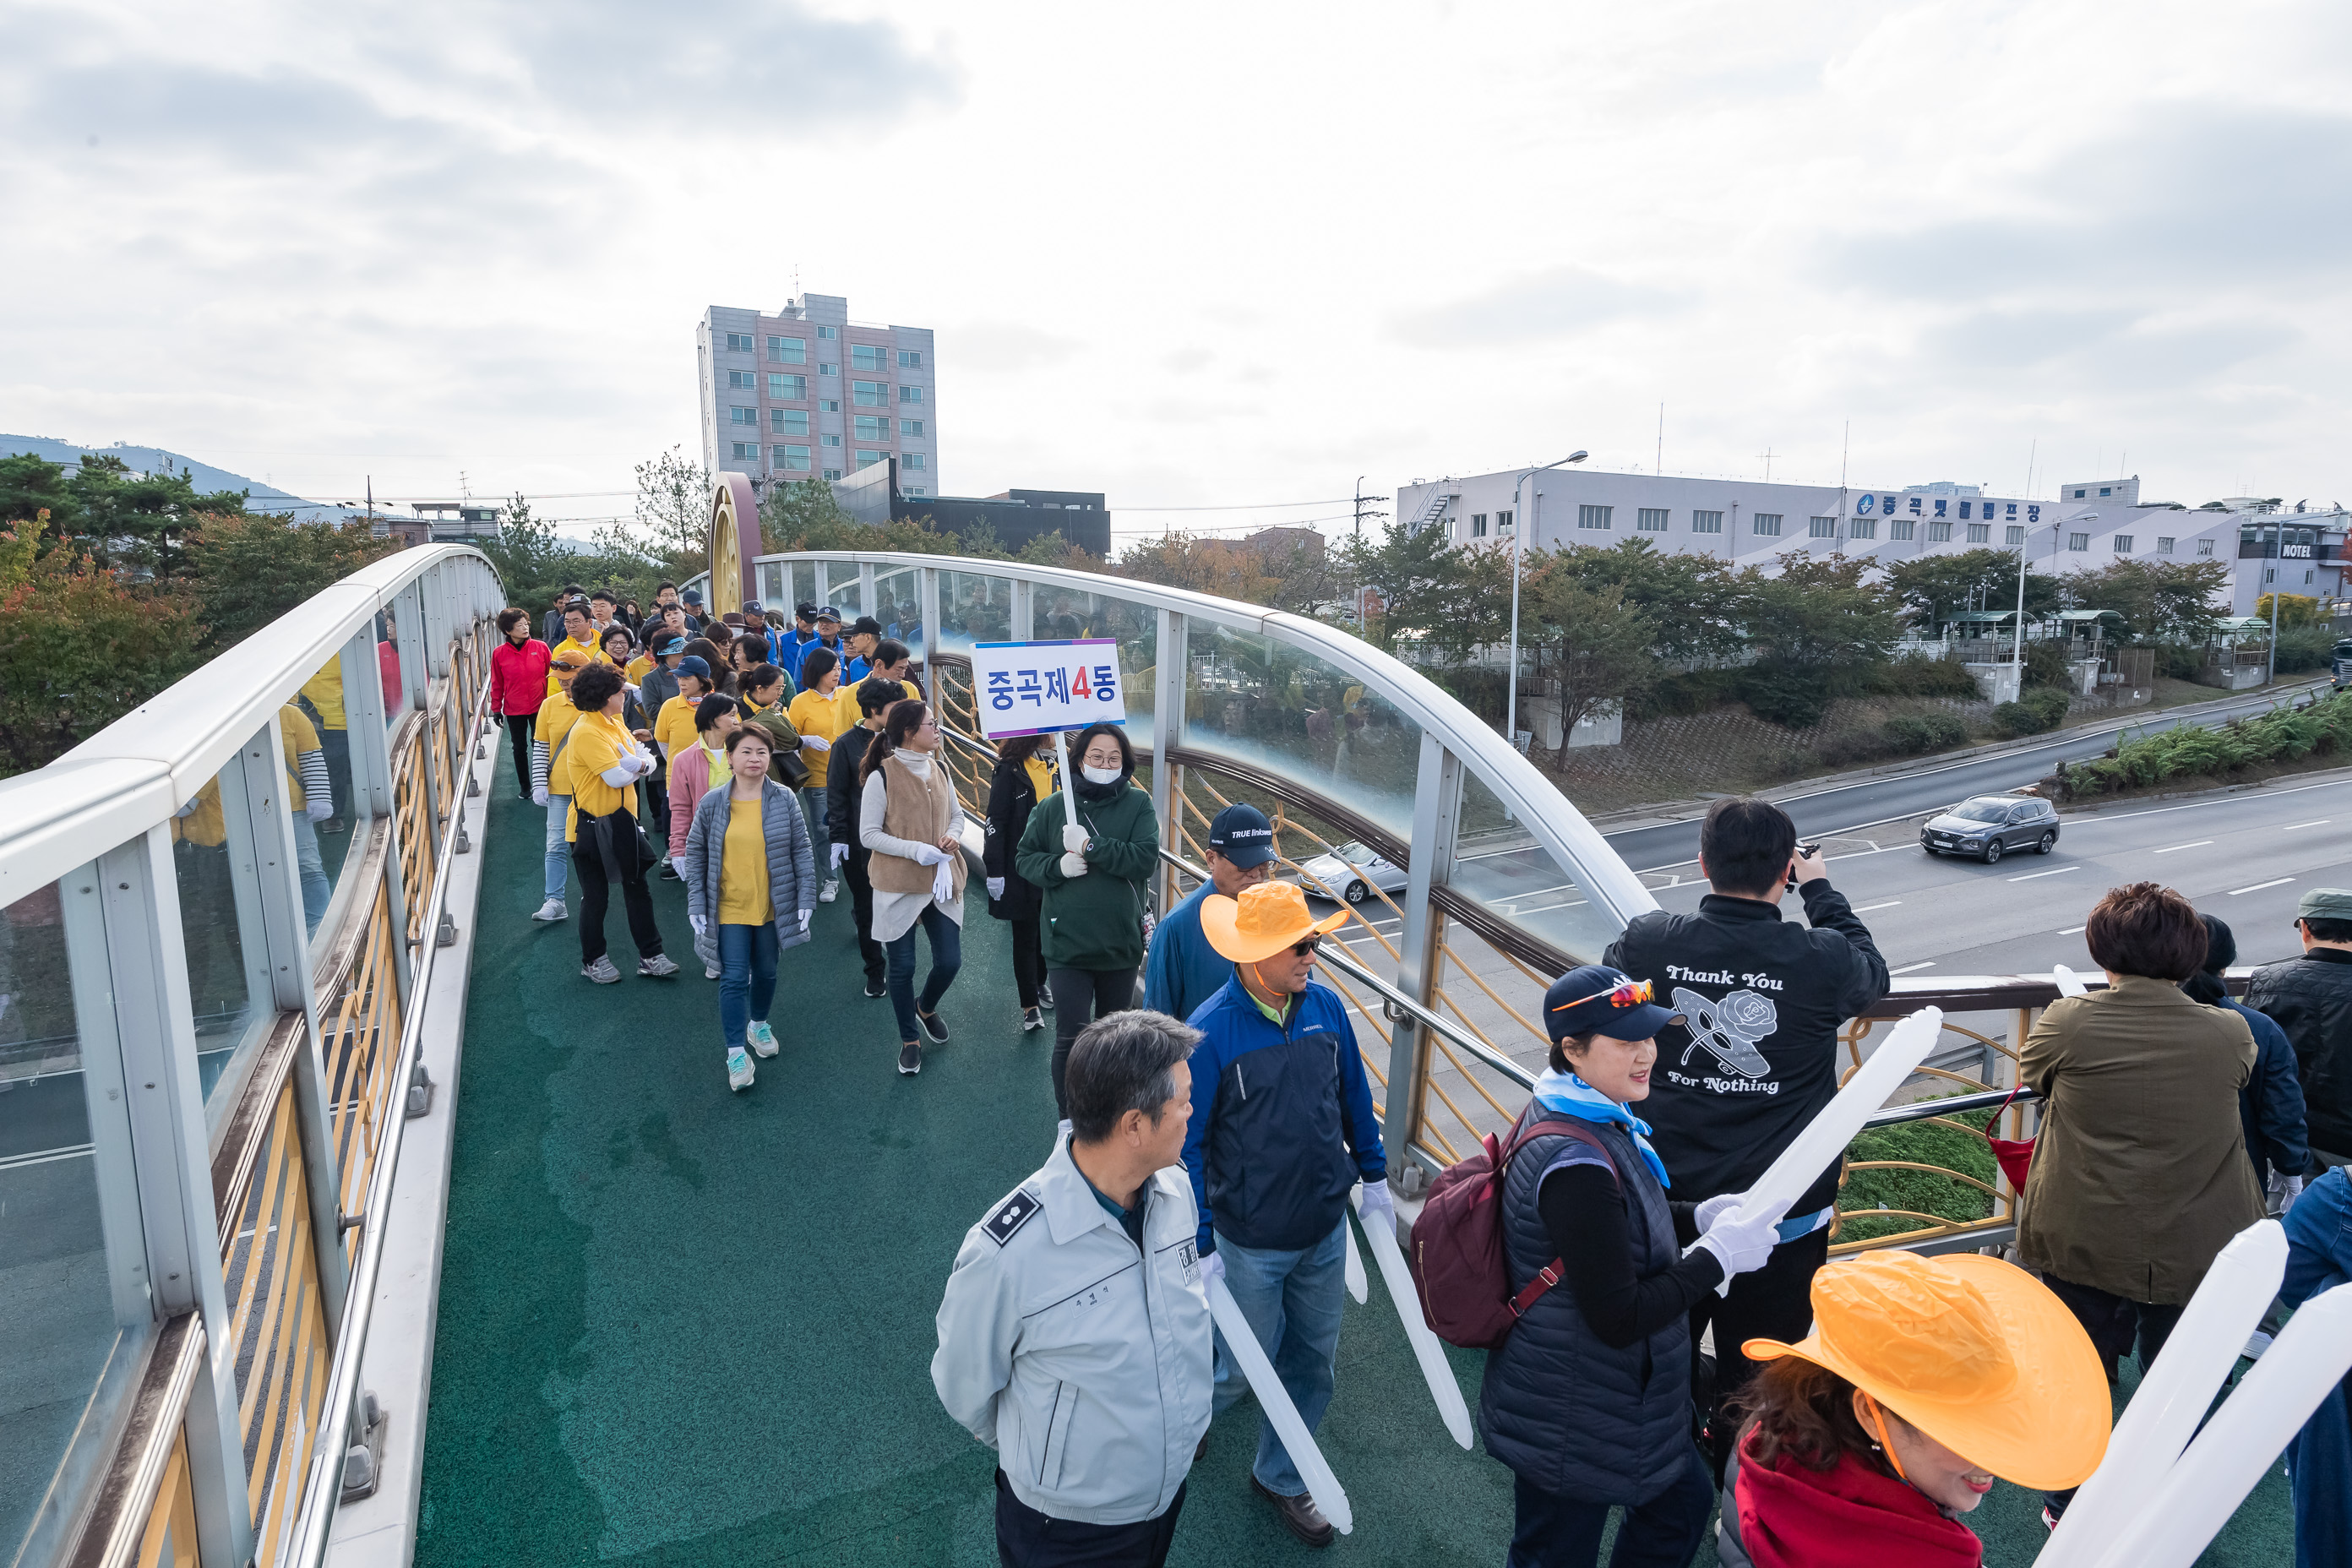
1435 1370
1241 1343
1061 763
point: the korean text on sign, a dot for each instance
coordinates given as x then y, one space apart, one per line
1036 687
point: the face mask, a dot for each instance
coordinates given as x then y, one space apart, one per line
1101 775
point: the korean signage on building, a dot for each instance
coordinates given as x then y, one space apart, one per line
1037 688
1970 509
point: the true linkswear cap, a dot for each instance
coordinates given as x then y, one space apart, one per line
1243 836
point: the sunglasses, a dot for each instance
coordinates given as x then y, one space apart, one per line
566 666
1631 994
1307 949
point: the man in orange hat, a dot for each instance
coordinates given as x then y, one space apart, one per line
1282 1129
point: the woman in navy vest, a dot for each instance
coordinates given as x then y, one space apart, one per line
1589 1401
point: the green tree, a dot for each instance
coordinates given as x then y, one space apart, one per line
80 645
250 570
1596 644
1688 601
115 516
2166 601
1426 586
34 488
1816 628
2293 609
533 563
673 509
1219 566
1933 587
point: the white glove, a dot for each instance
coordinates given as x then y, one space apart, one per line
699 925
2284 1191
840 853
1074 865
1074 838
943 884
1378 1207
804 921
813 744
1708 1211
929 855
538 797
1741 1245
319 810
1212 1269
996 887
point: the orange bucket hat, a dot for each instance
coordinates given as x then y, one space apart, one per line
1264 921
1973 1351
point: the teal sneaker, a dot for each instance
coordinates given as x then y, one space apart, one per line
739 1070
760 1037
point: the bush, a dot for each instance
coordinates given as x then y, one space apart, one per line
2305 648
2185 752
1927 678
1946 730
2011 720
1786 698
1852 746
2048 705
1921 1192
1908 735
2045 665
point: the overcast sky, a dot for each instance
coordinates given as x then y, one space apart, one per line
1206 258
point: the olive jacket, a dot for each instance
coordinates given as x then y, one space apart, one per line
2139 1174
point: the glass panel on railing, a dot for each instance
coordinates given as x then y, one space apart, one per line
220 924
845 590
898 605
1265 704
69 1361
973 608
771 577
387 665
1499 866
320 704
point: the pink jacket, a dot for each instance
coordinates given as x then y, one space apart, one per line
689 778
518 676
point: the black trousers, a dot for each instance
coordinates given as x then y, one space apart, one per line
861 911
337 745
1027 1538
1080 996
2115 1323
520 728
657 817
596 896
1028 959
1774 1302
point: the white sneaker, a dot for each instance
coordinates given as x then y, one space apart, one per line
831 890
551 911
712 972
2256 1343
601 971
739 1070
760 1037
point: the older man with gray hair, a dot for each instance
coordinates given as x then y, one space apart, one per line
1075 1337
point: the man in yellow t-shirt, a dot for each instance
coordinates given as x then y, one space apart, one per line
580 637
312 799
324 692
551 736
891 662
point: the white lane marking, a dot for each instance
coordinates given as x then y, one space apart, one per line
2074 930
47 1156
1865 908
2198 844
2258 887
1924 964
2314 822
2053 871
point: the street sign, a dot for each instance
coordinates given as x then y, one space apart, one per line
1047 687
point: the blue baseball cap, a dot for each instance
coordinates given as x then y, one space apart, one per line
827 612
1243 836
694 664
1597 1000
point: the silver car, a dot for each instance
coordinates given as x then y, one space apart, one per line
1990 826
1351 872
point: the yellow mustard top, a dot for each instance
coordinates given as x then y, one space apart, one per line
743 898
296 735
598 740
325 690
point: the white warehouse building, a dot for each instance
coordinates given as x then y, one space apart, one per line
1749 523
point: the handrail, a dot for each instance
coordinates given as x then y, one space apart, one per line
322 1493
1398 1001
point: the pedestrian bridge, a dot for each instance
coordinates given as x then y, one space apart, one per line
340 1220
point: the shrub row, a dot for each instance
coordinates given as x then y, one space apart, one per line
2186 751
2042 707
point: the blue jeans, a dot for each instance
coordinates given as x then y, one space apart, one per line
820 836
316 889
947 957
1292 1300
1552 1531
559 854
747 977
2319 1460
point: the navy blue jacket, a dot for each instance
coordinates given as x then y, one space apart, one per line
1570 1414
2271 1105
1182 970
1282 1120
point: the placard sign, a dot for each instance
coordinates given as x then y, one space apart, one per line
1045 688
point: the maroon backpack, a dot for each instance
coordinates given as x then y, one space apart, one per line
1459 1266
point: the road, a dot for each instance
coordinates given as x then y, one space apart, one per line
1930 788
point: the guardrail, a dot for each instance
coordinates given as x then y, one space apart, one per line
219 982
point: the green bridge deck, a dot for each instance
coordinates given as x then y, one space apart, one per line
684 1326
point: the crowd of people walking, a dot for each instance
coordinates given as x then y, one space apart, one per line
1674 1358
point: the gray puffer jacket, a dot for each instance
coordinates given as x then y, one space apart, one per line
791 868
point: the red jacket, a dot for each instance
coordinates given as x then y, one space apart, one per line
518 676
1851 1517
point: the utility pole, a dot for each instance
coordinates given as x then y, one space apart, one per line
1363 593
1766 455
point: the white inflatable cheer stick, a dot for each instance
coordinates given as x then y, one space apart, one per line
1242 1344
1435 1370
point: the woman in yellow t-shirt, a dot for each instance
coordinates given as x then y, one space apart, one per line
749 876
817 717
605 763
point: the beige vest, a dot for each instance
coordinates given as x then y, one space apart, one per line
923 810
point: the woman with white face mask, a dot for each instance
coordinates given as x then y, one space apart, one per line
1095 876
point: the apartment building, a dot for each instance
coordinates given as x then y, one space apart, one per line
2091 522
804 393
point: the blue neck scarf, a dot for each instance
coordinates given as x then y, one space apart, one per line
1571 1096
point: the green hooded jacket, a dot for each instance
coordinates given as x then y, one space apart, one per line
1094 921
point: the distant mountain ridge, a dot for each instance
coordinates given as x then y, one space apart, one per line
154 460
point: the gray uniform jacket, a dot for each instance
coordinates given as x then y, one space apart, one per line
1082 1362
792 867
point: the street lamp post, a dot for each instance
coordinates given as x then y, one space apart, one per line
2025 543
1518 512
